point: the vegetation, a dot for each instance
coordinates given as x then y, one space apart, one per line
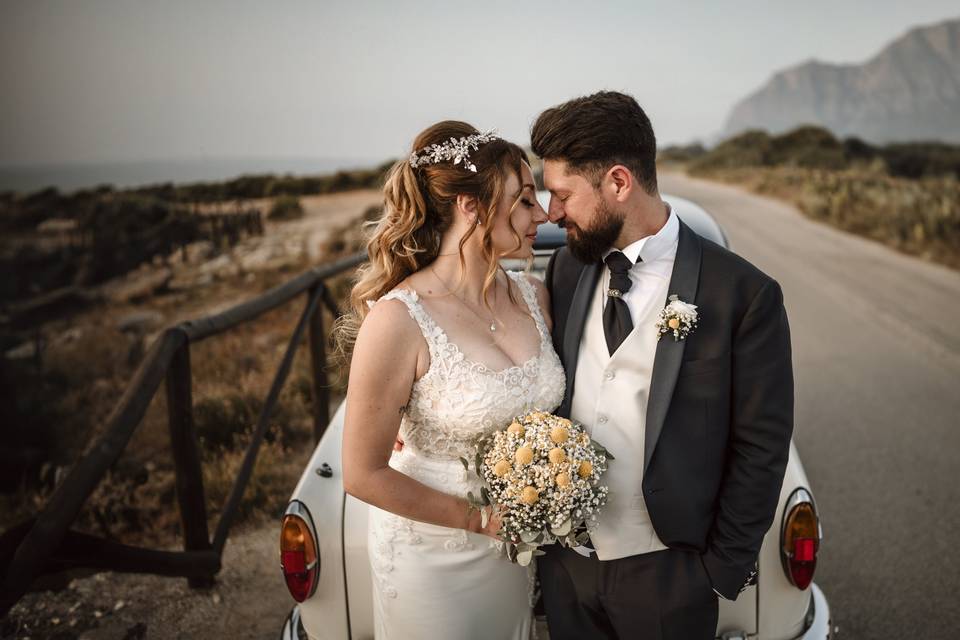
904 195
271 186
286 208
812 147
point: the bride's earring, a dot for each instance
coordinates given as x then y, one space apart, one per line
478 221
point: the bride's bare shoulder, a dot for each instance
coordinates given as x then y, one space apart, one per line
390 318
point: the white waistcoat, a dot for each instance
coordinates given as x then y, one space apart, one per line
610 399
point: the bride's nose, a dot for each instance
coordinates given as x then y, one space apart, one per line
539 215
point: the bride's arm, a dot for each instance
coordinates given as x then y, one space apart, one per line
382 372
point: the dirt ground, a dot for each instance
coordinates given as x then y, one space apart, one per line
248 600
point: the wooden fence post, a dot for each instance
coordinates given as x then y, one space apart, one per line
318 360
186 458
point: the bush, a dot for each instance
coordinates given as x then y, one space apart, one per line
681 153
918 160
749 149
286 208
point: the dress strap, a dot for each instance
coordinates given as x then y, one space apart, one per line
533 304
409 297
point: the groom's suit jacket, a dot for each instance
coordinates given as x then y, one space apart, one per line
720 411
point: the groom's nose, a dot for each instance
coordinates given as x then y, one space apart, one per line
555 212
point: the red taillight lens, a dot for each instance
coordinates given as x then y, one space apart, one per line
801 541
298 557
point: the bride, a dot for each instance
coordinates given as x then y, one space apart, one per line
446 346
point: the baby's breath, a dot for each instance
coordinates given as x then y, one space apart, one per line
542 502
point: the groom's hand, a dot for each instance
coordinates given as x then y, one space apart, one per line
493 522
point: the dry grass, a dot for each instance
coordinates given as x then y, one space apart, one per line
919 217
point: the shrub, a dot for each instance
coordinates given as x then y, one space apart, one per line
286 208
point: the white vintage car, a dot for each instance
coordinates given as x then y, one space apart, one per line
323 542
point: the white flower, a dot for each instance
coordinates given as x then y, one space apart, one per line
682 308
678 318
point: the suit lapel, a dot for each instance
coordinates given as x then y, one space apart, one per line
666 363
577 317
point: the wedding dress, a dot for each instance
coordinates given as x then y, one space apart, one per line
432 581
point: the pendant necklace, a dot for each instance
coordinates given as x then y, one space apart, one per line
493 322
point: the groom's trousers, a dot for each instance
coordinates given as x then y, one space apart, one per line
663 595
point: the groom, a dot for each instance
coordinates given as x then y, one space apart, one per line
699 423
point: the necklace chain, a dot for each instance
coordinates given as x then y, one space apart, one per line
493 322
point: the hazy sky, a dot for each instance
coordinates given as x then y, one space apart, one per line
88 81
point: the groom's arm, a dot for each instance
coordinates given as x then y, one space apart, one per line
759 442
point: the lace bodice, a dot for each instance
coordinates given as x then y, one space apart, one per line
457 399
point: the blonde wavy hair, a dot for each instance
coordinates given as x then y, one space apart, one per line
418 208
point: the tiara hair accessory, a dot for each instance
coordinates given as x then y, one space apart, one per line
456 149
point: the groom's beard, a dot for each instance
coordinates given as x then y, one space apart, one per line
589 245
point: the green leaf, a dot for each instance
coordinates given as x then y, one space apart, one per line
484 517
563 529
463 461
529 536
524 557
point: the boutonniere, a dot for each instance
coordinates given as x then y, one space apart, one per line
678 318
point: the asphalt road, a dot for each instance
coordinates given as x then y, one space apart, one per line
876 344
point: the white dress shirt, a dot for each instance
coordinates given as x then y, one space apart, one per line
658 252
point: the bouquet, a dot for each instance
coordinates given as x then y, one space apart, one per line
542 475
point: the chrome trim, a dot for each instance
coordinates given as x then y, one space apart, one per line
800 495
293 626
821 623
297 508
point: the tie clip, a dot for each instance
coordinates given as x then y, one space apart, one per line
614 293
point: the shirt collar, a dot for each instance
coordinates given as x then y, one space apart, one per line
651 248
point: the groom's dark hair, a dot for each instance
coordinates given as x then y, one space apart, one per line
593 133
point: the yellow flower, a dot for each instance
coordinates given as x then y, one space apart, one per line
563 479
515 428
586 468
673 323
559 434
557 455
530 495
524 455
502 468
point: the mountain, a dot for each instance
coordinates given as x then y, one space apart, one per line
909 91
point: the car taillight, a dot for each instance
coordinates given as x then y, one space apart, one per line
800 539
299 558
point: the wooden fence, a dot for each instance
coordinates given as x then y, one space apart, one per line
45 544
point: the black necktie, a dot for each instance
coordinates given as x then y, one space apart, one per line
617 324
